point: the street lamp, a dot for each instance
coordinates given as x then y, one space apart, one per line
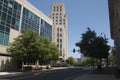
104 37
106 43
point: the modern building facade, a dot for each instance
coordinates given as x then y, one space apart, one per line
114 13
60 29
16 16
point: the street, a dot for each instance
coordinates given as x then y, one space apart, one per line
61 74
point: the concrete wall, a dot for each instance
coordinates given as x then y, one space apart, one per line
5 59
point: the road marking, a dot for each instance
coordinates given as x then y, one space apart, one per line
36 74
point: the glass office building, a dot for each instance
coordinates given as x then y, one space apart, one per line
18 15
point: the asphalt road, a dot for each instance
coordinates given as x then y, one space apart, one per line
61 74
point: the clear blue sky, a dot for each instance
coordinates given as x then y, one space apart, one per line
81 14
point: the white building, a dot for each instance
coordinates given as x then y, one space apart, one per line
60 30
15 16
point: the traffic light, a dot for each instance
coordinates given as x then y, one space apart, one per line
73 50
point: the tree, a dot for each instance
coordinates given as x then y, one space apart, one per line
30 47
53 54
85 44
94 46
112 56
70 61
25 47
87 62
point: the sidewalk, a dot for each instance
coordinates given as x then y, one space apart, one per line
106 74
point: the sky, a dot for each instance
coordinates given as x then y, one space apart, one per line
81 14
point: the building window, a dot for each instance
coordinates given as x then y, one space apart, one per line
1 38
56 21
57 39
4 38
61 46
58 45
60 52
57 34
57 8
3 17
60 29
61 35
60 40
60 8
60 23
10 4
54 8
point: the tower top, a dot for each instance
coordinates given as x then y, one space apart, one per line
58 7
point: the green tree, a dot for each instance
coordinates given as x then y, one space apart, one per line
94 46
112 57
70 61
30 47
85 43
87 62
53 54
25 47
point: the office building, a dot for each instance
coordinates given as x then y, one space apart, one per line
114 13
60 30
15 16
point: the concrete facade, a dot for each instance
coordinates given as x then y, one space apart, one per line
60 29
15 27
114 13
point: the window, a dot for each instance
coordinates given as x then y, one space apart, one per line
60 52
60 29
7 29
56 20
10 4
1 38
54 8
5 9
60 8
6 39
8 19
13 21
16 22
6 1
61 35
60 40
57 34
4 17
57 39
57 8
60 45
1 28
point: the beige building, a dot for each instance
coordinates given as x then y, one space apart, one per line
114 13
60 29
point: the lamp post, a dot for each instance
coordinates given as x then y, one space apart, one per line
105 43
104 36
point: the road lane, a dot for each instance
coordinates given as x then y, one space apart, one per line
61 74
